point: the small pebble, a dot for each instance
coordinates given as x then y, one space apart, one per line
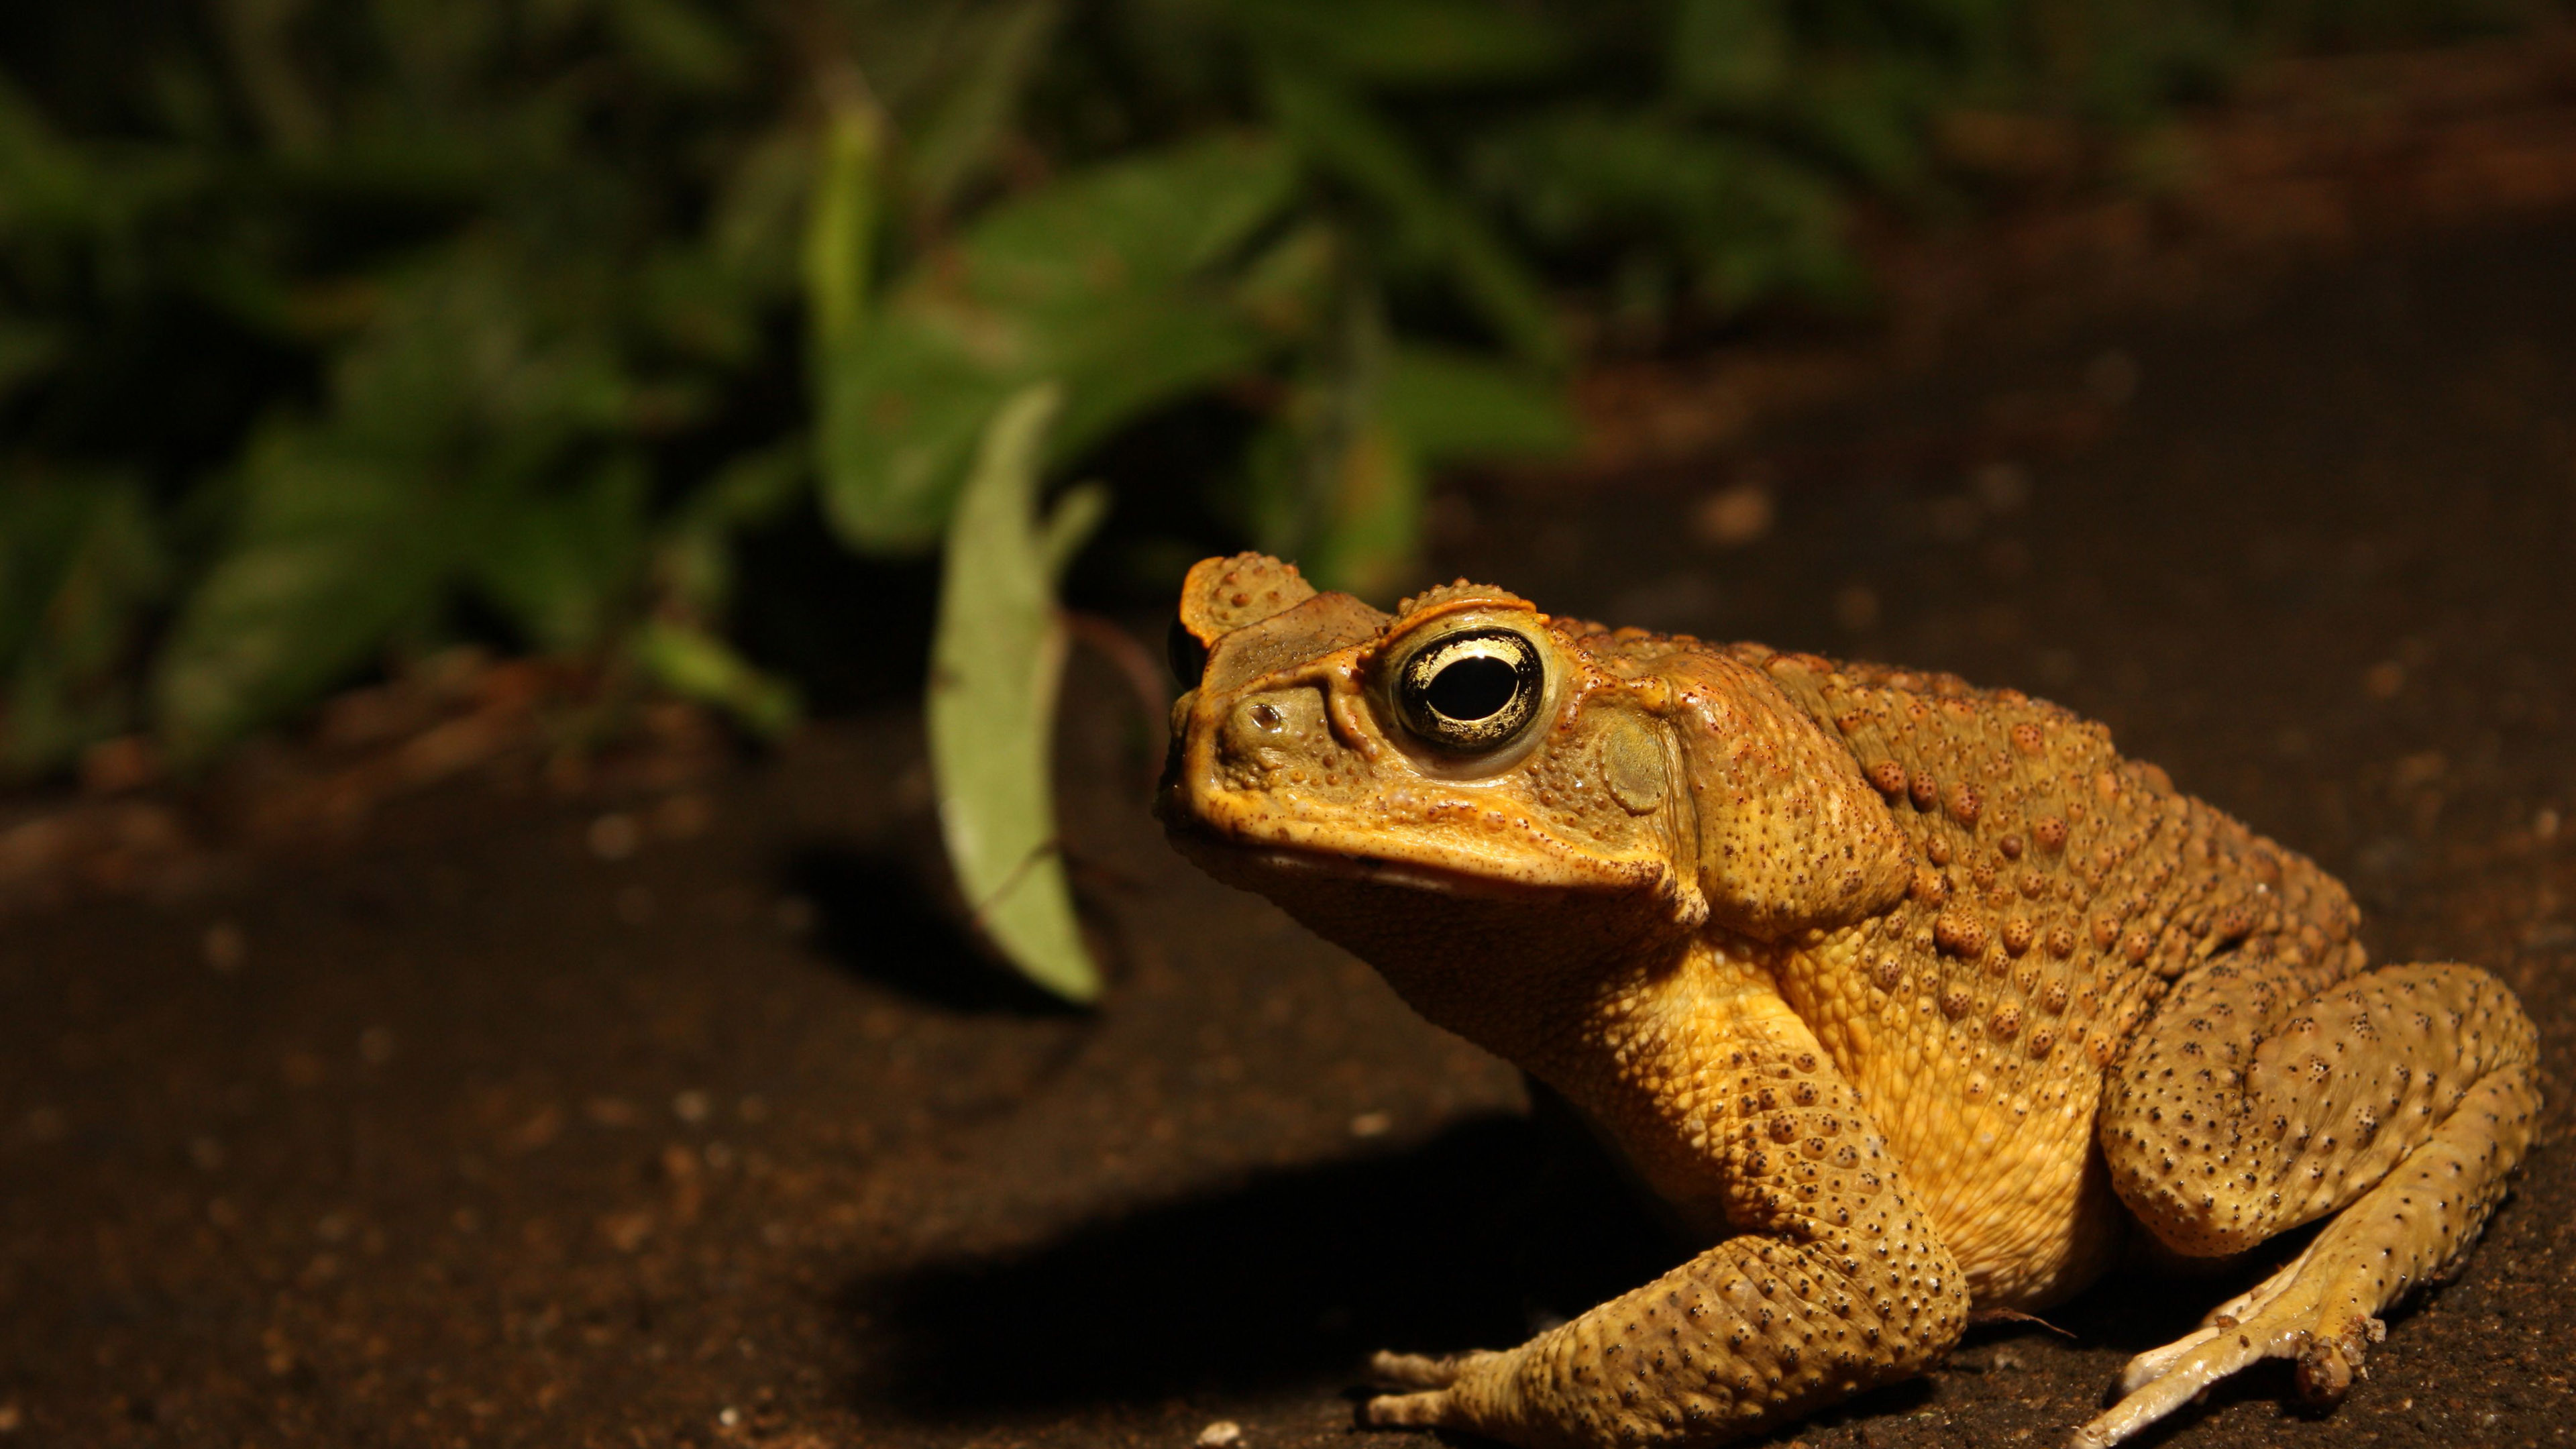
1220 1434
612 1112
614 836
2112 377
2002 487
793 915
684 816
225 948
1954 518
120 765
1733 517
1856 606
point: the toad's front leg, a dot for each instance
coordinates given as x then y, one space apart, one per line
1837 1283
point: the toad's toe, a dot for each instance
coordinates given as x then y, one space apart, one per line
1421 1370
1426 1410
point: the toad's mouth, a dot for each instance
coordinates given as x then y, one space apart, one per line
1264 864
1289 860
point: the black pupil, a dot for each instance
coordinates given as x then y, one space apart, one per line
1476 687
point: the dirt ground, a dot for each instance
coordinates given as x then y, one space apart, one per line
695 1121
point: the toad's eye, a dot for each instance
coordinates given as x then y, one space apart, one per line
1471 691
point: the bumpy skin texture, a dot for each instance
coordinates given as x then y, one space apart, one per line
1911 998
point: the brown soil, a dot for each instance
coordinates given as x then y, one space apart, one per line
689 1118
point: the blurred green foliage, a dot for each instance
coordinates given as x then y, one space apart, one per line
332 330
994 666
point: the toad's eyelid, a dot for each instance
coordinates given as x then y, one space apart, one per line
1344 708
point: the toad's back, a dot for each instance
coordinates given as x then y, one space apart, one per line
2058 892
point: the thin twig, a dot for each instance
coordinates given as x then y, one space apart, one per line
1137 665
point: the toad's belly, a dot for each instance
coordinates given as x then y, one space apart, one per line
2016 1188
1994 1130
2002 1156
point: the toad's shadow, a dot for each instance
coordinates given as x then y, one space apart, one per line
883 918
1475 1237
1470 1238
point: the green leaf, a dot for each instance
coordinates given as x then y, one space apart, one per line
1340 136
1106 278
689 661
1873 115
40 530
1746 217
80 561
958 138
264 69
45 181
1415 42
1730 52
840 225
1369 433
693 563
899 418
464 400
1373 522
1287 288
335 548
1451 406
1334 484
677 44
755 229
27 349
1066 528
1147 221
997 652
563 563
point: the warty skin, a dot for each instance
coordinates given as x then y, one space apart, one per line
1912 1000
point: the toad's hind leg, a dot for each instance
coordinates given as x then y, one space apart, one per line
2402 1096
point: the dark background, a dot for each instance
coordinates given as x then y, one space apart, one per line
366 1090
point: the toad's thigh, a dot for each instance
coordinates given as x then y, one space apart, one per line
2245 1107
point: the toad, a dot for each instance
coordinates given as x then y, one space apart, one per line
1913 1001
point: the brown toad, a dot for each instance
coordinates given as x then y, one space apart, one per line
1910 998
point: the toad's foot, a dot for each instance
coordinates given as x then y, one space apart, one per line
2300 1312
2228 1317
1419 1371
1430 1379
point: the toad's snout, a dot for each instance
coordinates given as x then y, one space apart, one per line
1254 763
